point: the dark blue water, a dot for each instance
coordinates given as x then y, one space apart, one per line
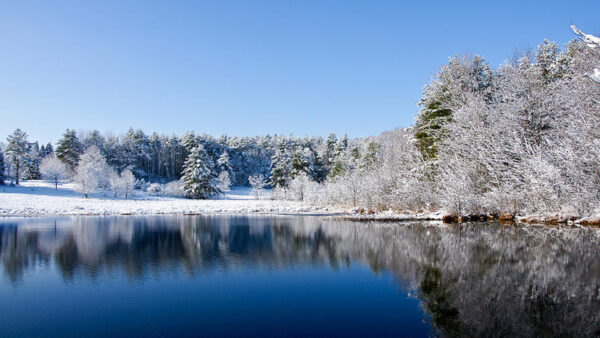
293 276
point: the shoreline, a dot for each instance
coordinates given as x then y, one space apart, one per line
39 199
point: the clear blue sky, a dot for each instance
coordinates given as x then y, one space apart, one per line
249 67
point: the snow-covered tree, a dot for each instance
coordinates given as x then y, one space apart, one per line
224 163
92 172
258 183
302 163
592 42
280 169
17 151
32 164
123 183
2 168
199 177
53 170
446 93
93 138
46 150
224 181
69 149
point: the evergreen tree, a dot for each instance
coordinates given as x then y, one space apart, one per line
337 168
69 149
94 138
46 150
552 63
190 141
33 162
446 93
370 158
224 163
280 169
199 176
2 168
17 151
302 163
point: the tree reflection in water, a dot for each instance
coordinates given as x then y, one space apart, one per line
475 279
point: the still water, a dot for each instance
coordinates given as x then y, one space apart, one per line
294 276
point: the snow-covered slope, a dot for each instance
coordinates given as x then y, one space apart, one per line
36 198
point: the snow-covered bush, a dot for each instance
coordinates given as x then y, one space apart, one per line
173 188
154 189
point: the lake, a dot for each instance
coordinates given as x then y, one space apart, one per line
294 276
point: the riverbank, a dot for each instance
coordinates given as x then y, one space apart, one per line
38 198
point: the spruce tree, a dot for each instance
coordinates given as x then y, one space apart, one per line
224 163
33 162
69 149
2 168
199 176
46 150
17 151
280 169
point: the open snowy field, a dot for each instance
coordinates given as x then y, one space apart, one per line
38 198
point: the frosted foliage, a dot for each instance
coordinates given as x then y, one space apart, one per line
122 184
92 172
258 183
199 178
594 43
224 182
53 170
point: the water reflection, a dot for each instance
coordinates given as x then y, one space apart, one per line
477 279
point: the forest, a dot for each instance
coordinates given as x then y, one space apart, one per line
519 139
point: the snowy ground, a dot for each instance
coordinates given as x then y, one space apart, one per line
37 198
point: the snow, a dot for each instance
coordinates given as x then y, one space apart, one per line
38 198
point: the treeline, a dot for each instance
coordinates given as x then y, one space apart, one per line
204 165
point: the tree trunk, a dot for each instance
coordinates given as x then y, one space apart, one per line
17 167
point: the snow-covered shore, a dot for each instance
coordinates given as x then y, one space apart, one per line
37 198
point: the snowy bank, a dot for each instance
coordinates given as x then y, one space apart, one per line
36 198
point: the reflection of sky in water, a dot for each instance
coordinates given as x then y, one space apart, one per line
280 275
190 276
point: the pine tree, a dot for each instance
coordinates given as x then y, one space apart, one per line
2 168
370 158
224 163
446 93
33 162
17 151
199 176
190 141
281 167
69 149
302 163
46 150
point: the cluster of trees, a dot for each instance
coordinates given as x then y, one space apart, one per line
202 165
520 139
89 169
